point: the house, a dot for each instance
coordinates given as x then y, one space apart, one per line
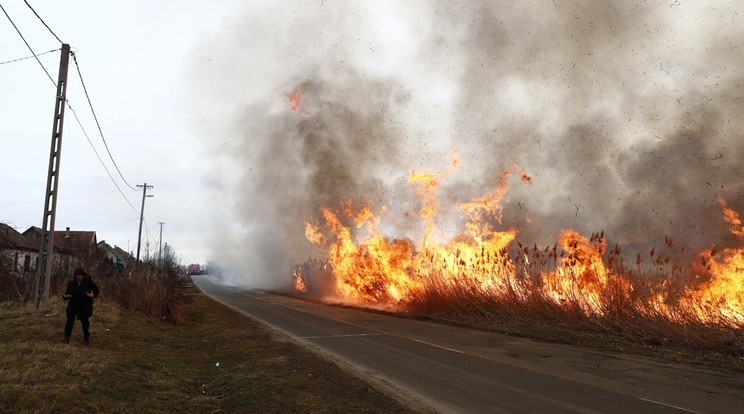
70 247
82 244
76 243
115 254
17 252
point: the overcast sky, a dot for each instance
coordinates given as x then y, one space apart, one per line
134 57
627 114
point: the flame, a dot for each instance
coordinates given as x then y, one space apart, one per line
427 185
721 297
299 284
578 273
731 217
375 271
314 234
581 275
295 98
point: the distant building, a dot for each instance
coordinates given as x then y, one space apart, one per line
114 254
71 248
17 251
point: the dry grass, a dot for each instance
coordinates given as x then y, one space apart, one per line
146 288
215 360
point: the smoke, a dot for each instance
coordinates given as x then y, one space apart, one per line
626 114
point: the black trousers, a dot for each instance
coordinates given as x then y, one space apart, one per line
83 317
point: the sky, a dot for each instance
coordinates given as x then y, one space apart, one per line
626 114
134 58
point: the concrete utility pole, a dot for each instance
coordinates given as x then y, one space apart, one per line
46 244
160 244
142 215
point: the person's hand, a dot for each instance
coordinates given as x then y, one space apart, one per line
89 294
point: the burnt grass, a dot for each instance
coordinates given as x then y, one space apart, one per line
213 360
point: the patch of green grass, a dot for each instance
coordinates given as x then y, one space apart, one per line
216 360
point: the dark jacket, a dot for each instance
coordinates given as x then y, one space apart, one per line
79 302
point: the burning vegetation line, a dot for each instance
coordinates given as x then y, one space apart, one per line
485 270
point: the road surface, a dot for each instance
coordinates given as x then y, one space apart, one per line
455 370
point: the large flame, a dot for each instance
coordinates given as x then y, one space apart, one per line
581 275
578 272
721 297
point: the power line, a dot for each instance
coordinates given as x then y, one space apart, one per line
119 225
42 21
90 104
91 208
61 198
70 107
28 57
29 46
99 157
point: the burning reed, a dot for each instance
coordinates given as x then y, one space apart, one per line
484 275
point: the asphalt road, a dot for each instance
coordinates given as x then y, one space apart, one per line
449 369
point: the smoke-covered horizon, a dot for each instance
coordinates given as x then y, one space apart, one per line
626 115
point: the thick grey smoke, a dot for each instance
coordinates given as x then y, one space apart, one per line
626 114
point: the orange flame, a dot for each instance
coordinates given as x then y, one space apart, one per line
375 271
581 275
482 259
314 234
299 284
721 297
295 99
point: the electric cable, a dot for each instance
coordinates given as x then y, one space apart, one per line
28 57
99 157
119 225
85 133
67 102
95 117
90 209
29 46
42 21
20 203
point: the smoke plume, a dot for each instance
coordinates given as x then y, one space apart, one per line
626 115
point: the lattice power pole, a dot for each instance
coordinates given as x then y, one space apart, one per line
142 215
46 245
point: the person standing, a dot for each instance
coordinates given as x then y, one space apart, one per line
79 295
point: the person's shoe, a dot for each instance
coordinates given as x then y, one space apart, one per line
86 341
66 340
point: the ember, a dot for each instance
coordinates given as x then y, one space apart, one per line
295 99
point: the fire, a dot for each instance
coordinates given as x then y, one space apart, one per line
732 218
721 297
379 271
299 284
314 234
375 271
428 184
364 267
295 98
